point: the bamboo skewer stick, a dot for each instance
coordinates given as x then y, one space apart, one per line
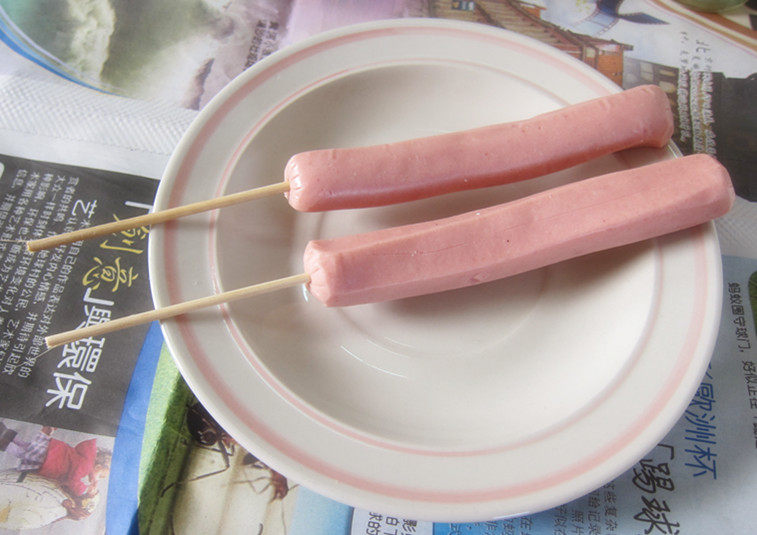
156 217
178 309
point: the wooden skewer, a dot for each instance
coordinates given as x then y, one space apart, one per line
178 309
156 217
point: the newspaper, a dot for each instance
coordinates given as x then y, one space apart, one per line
74 402
94 95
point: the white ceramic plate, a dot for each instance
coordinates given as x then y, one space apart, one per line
496 400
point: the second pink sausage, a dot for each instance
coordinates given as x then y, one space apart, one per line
561 223
418 168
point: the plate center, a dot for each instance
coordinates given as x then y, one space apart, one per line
482 367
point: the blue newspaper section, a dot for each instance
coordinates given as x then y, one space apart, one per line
697 480
123 491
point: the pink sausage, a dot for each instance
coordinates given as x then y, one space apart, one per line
408 170
565 222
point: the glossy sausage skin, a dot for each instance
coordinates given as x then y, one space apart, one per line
565 222
386 174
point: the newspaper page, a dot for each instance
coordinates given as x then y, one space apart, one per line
71 158
65 403
192 476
